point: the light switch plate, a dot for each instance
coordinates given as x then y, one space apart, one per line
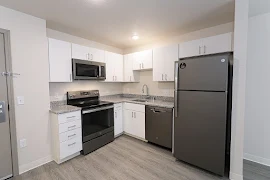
23 143
20 100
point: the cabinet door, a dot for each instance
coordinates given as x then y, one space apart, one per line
129 74
128 119
147 59
109 59
191 48
158 64
60 61
118 119
97 55
170 56
137 61
118 67
217 44
139 124
80 52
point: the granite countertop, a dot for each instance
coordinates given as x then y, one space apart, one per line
61 109
150 102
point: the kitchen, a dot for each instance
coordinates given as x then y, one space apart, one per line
124 92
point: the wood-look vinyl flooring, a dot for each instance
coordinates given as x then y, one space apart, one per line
124 159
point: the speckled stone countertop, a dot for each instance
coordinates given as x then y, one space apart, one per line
159 101
60 107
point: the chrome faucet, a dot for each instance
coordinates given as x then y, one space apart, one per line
147 93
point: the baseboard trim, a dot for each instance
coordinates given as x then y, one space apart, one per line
257 159
136 137
32 165
234 176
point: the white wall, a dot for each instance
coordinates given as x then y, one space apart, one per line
257 116
239 87
167 88
58 90
30 58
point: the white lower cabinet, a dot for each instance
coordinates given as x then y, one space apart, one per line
118 119
134 120
66 136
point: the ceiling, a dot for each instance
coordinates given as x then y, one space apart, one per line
113 22
257 7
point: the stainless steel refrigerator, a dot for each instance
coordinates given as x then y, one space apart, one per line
202 111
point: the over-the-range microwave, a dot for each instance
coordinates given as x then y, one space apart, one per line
88 70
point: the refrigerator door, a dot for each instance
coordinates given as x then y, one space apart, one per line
205 73
200 129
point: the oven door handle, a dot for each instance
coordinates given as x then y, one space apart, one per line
97 109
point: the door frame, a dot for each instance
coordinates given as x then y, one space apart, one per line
12 120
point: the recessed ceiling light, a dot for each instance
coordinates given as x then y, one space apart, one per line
135 37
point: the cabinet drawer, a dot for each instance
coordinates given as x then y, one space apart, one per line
135 107
70 147
68 117
69 126
70 135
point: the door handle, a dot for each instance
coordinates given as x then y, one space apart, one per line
199 49
204 47
166 77
176 71
2 112
162 77
132 114
130 78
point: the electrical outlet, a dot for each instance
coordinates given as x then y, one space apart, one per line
23 143
20 100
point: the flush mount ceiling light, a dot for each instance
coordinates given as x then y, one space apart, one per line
135 37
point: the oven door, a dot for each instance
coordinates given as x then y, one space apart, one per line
86 70
96 122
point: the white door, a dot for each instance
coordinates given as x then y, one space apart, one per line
128 118
138 122
147 59
97 55
158 64
5 149
191 48
217 44
137 61
118 62
118 119
170 56
109 67
80 52
129 74
60 63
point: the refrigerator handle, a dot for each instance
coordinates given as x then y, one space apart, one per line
176 88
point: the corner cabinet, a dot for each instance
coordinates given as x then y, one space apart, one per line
134 120
114 67
211 45
66 136
163 62
129 74
60 61
143 60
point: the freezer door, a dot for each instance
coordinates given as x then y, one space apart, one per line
200 130
206 73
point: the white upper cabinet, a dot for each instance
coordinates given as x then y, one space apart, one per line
163 62
60 61
211 45
80 52
114 67
97 55
87 53
129 74
143 60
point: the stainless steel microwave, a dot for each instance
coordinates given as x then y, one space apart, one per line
88 70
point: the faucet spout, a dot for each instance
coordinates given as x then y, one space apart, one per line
147 93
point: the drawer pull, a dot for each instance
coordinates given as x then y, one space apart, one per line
72 127
72 144
71 117
72 135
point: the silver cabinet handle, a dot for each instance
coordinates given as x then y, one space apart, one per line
72 144
132 114
204 47
166 77
199 49
176 88
130 78
115 78
162 77
142 65
70 77
2 112
115 114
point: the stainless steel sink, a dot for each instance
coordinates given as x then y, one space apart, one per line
140 100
